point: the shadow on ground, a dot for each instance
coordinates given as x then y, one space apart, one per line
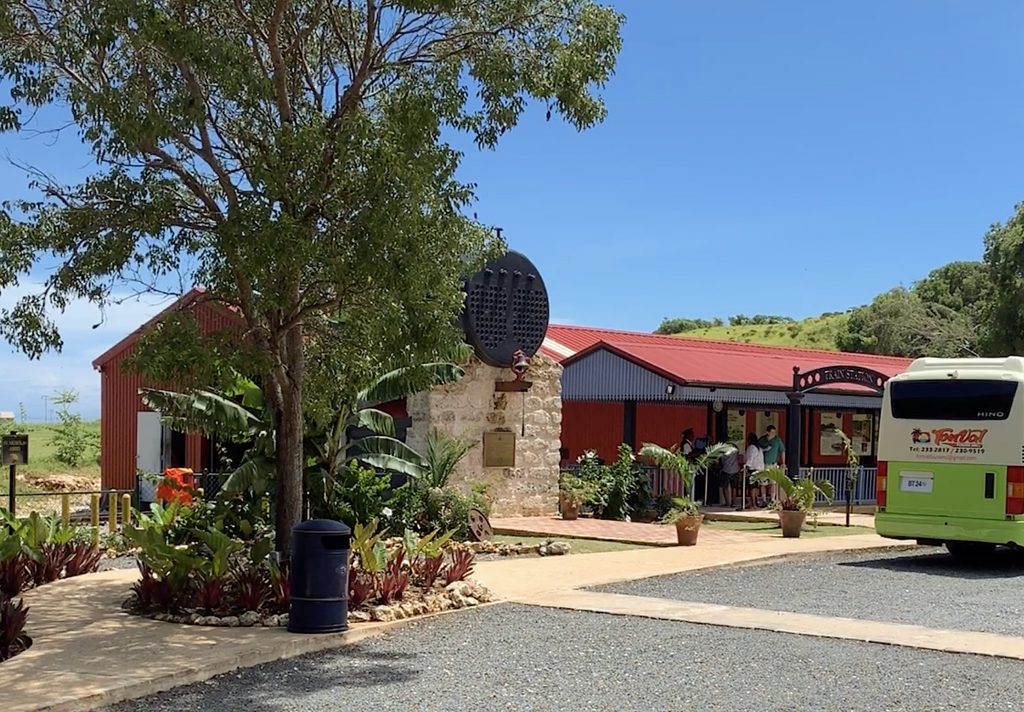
1002 564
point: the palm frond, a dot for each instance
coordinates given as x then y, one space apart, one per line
390 454
254 474
404 382
202 411
372 419
663 458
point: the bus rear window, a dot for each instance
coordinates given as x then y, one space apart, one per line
952 399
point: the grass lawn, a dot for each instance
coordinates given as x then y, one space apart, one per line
43 464
579 546
770 528
817 332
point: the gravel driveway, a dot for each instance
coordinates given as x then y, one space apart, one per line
925 586
516 658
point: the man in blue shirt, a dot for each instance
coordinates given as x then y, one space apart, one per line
774 452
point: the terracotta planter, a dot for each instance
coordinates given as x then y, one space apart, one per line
570 508
792 522
687 529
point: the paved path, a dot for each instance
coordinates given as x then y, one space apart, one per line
87 651
651 534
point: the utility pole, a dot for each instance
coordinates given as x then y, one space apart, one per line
46 410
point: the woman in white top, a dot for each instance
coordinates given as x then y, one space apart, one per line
753 461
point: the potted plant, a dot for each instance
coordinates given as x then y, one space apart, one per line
572 493
685 511
685 514
798 498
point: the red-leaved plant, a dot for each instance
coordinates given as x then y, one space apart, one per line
48 565
392 585
360 588
461 566
210 594
280 589
13 575
81 558
250 589
430 569
12 627
152 593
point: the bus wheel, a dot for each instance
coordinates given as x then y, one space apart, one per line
970 550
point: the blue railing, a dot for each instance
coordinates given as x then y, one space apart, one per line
863 493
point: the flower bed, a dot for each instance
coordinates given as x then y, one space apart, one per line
547 548
35 551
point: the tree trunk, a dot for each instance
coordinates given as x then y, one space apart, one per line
290 459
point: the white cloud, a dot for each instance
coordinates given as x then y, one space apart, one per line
26 381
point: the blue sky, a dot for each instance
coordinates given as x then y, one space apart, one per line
785 157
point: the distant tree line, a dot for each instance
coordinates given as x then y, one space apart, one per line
682 325
960 309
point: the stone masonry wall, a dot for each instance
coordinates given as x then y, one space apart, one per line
470 407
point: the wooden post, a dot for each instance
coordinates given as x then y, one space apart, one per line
112 504
65 509
94 511
12 495
126 509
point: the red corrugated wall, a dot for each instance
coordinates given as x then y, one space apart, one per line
663 423
592 425
120 402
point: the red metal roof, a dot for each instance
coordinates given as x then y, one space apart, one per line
702 361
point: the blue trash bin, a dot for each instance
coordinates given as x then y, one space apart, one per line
318 602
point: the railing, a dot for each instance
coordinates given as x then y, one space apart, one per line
863 493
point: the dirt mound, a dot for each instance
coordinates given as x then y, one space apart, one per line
64 483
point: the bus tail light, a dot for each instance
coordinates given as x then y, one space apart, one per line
880 478
1015 489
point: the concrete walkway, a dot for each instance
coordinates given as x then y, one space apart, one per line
87 652
653 534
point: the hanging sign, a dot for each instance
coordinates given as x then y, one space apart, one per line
14 448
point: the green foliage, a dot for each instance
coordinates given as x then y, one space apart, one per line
680 508
1003 313
900 323
617 491
294 153
814 332
426 509
359 495
685 467
71 439
759 320
443 455
190 561
37 550
680 325
575 489
799 494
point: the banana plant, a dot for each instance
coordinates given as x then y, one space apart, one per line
243 415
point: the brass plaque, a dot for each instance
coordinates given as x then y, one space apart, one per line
499 449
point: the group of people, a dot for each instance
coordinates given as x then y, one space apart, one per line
737 470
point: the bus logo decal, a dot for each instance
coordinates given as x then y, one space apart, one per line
946 439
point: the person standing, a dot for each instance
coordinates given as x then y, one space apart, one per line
753 462
774 455
686 443
728 475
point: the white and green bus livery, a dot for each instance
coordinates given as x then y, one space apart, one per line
951 454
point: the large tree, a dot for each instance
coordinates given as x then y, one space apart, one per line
289 155
900 323
1004 311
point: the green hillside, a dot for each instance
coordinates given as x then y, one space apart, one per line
817 332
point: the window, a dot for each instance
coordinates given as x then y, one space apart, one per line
830 442
952 399
863 434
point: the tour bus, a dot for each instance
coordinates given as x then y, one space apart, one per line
951 454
